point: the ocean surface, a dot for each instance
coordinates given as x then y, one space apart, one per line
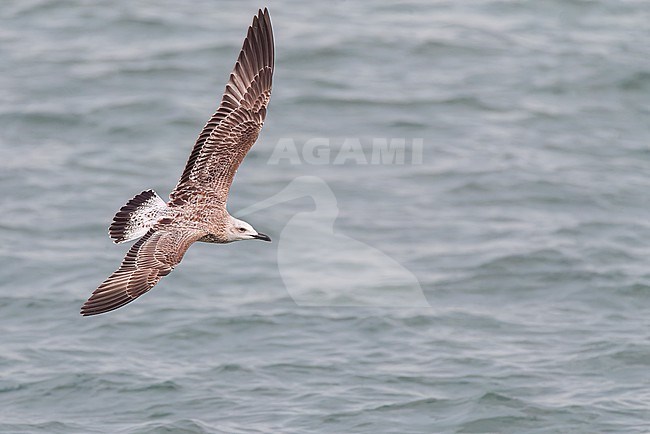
496 279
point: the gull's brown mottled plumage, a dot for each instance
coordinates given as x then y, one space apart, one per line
232 130
197 207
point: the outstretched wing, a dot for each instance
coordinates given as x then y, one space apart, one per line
150 259
233 129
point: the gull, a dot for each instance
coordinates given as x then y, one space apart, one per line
196 210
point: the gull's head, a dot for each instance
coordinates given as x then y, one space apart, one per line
238 230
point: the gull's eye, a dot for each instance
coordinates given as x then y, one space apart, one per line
241 230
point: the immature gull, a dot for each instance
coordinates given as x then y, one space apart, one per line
196 210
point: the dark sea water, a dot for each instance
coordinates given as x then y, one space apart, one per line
500 285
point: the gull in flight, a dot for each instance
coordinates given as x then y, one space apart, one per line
196 210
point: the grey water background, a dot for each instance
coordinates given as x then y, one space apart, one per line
526 224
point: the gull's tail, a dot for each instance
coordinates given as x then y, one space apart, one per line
135 218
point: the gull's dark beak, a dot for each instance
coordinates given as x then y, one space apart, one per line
262 237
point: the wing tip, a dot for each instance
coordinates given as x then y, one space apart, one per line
92 312
96 306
